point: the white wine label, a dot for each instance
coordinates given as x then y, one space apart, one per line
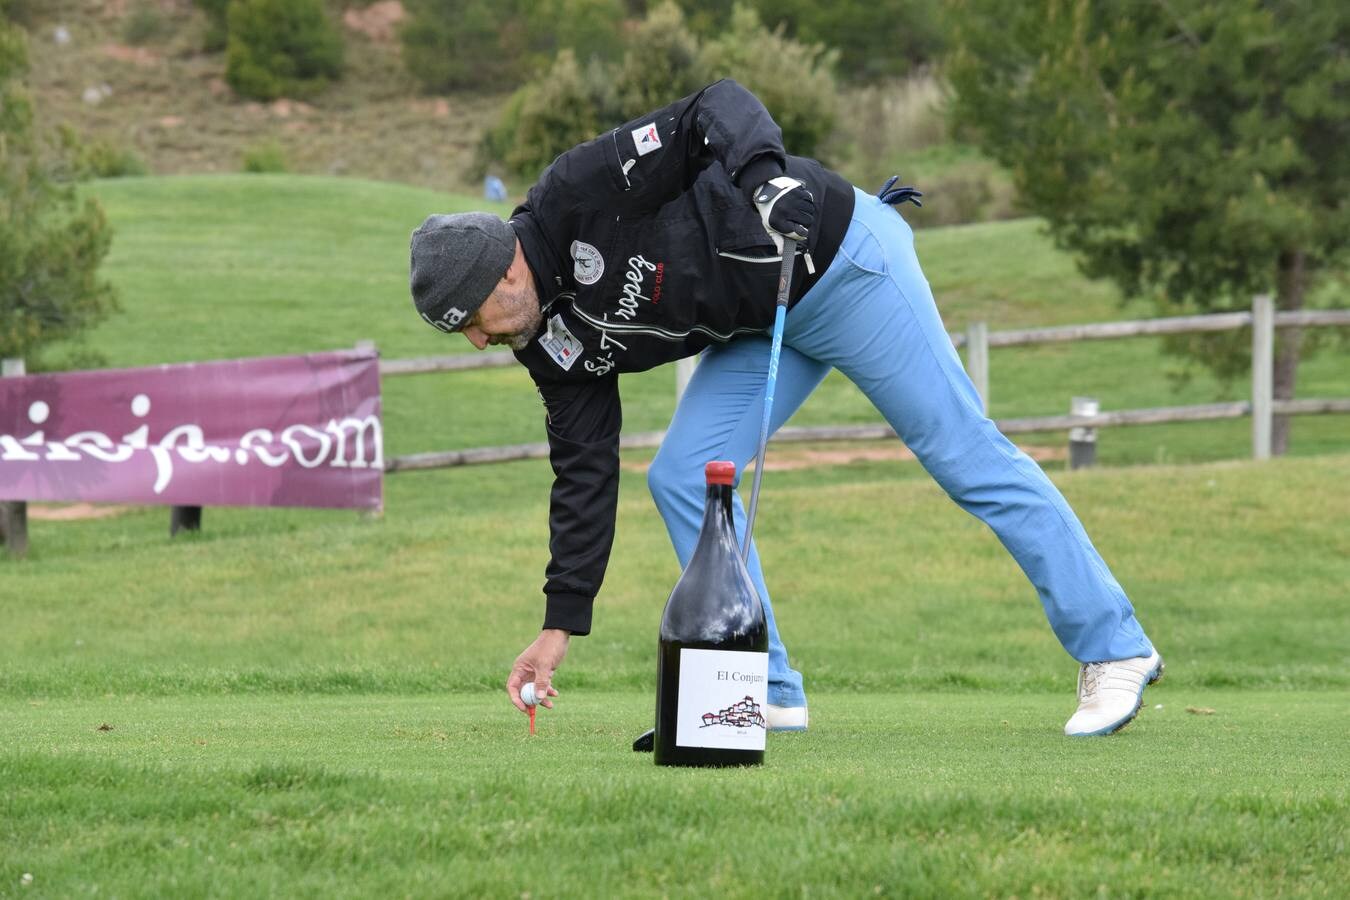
722 697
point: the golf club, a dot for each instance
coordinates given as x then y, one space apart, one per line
779 317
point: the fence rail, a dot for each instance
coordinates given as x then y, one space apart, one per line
977 340
495 359
498 359
1173 325
442 459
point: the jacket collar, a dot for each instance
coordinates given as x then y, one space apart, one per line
550 278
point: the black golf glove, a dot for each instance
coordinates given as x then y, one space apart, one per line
786 207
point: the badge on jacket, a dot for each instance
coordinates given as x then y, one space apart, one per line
587 263
560 344
646 139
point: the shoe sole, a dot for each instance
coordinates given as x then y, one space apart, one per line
783 712
1153 678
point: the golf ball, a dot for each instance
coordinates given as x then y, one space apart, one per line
528 696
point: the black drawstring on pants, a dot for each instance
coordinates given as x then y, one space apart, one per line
898 195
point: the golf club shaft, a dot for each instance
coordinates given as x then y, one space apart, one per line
779 317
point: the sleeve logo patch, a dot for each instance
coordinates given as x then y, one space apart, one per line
646 139
559 343
587 263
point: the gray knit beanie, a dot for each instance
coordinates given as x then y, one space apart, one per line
456 264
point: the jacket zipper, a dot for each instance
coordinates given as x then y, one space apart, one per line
810 263
751 259
623 169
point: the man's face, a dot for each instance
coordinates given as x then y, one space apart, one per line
510 317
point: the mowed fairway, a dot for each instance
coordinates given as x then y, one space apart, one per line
922 795
308 703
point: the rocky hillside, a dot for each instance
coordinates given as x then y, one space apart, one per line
132 73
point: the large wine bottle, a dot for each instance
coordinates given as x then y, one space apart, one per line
713 667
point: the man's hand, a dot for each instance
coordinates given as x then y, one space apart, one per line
537 664
786 207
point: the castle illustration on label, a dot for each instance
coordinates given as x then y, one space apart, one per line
741 714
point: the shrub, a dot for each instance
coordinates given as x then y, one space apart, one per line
971 191
876 39
81 160
450 44
551 115
21 12
882 128
265 158
106 160
51 242
145 25
592 29
496 44
662 63
217 26
281 48
567 104
499 139
795 81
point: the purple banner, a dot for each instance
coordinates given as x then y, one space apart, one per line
276 431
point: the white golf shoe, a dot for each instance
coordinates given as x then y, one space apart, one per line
785 718
1110 694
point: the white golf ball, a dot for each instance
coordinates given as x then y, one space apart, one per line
528 696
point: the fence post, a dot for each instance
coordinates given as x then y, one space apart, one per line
184 518
1263 373
368 346
684 370
977 359
14 513
1082 438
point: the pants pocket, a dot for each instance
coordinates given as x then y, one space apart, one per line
862 250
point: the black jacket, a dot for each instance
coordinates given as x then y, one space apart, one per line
645 248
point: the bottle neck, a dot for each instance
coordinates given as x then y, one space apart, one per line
715 601
717 518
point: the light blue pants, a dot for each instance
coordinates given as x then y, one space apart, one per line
872 317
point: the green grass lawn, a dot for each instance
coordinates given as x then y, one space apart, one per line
891 794
308 703
879 581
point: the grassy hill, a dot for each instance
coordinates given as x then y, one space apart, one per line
133 76
307 703
214 267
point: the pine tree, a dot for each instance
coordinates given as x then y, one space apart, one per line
1193 151
51 242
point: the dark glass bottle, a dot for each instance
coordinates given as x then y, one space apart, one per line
713 667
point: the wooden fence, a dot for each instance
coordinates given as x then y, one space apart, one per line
1082 420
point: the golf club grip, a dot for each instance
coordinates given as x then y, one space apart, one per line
776 348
